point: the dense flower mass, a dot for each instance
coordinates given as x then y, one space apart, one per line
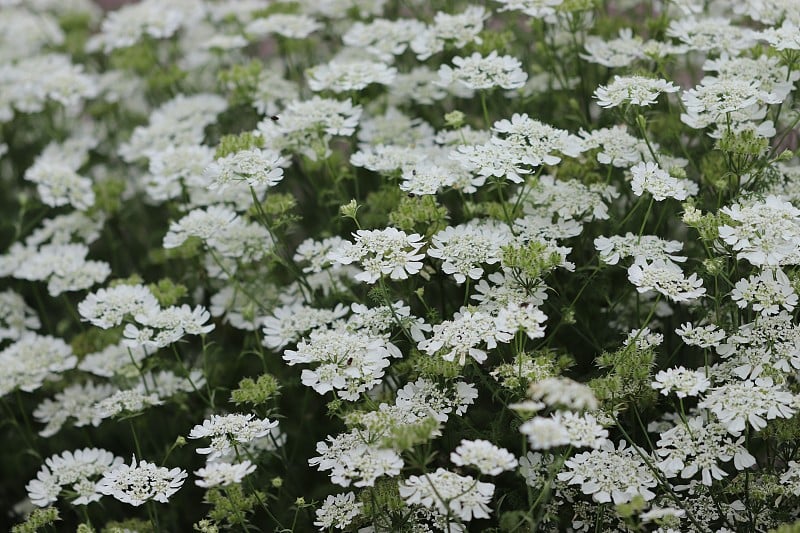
371 266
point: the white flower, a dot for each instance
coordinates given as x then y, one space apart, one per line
711 34
45 489
545 433
701 336
124 27
633 90
220 474
256 167
180 121
643 338
382 38
681 381
541 9
338 511
348 362
460 337
449 493
651 178
139 483
561 391
721 100
288 323
617 146
113 359
305 126
484 456
455 30
344 76
613 249
700 445
288 25
619 52
157 328
464 248
564 428
125 401
384 252
753 402
229 430
478 72
33 359
351 460
763 232
108 307
75 401
767 292
791 478
58 184
610 475
16 317
77 471
665 277
787 37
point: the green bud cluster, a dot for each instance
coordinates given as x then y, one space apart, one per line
258 392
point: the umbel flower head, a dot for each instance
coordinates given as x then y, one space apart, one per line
138 483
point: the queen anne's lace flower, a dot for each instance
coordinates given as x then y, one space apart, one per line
353 460
478 72
289 25
142 482
767 292
256 167
456 30
532 8
221 474
651 178
632 90
563 392
681 381
619 52
383 38
613 249
227 431
338 511
460 337
380 253
157 328
78 471
700 445
348 362
76 401
16 317
667 278
763 232
721 100
484 456
108 307
753 402
564 428
701 336
711 34
610 474
449 493
464 248
344 76
306 126
787 37
33 359
288 323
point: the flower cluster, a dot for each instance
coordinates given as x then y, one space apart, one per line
400 266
